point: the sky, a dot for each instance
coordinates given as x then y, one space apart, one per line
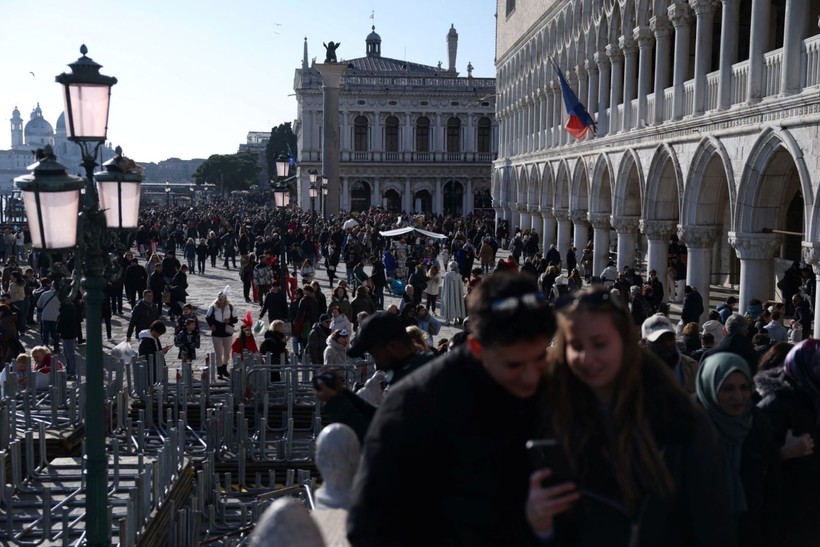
194 77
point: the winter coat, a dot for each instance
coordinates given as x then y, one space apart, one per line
221 319
49 305
317 342
335 354
241 344
275 305
142 316
188 343
148 344
452 295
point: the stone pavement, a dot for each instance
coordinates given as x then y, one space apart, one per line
202 291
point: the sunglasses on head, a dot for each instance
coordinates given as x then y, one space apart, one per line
589 300
511 304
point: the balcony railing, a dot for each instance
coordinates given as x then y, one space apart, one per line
740 82
772 64
414 157
810 61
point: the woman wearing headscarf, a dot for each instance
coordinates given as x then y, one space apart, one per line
336 351
724 389
221 318
790 399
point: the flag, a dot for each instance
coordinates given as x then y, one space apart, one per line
291 159
579 119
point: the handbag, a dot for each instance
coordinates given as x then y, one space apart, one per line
229 329
166 296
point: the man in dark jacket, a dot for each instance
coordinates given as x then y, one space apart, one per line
692 306
802 313
736 341
157 284
143 314
136 280
150 345
275 305
473 409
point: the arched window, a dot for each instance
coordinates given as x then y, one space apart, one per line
391 134
359 196
453 136
482 199
484 131
422 135
423 202
392 201
360 134
453 193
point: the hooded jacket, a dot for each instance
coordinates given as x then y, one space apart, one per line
335 353
317 342
148 344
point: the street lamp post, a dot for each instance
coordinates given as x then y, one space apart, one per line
281 193
167 194
324 198
313 191
52 201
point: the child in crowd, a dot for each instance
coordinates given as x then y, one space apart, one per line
188 340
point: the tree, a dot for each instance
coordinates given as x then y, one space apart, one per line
229 172
281 137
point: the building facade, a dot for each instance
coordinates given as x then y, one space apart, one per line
708 129
413 137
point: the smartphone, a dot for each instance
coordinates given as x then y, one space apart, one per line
549 453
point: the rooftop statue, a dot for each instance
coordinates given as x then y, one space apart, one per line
331 47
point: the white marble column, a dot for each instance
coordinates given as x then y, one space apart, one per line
604 74
643 37
525 221
559 134
548 235
537 221
730 19
564 230
658 233
681 16
345 199
550 95
699 241
407 197
468 197
630 51
600 241
756 252
583 81
811 254
542 119
580 233
627 230
616 57
792 42
439 198
661 28
515 217
704 12
758 45
592 87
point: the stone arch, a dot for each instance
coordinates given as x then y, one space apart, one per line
629 185
579 197
776 156
629 20
615 24
360 195
643 12
601 187
521 186
562 190
702 201
534 187
664 186
547 195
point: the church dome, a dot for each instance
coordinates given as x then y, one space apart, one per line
374 43
60 127
37 126
373 36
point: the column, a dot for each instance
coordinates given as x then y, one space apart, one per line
345 197
376 196
564 230
630 50
558 115
729 22
537 222
660 26
580 234
681 17
758 44
439 198
592 87
549 114
699 241
604 74
542 119
331 74
616 57
627 229
600 241
525 221
792 41
581 71
658 233
548 235
811 254
378 135
643 37
407 196
756 252
468 197
703 51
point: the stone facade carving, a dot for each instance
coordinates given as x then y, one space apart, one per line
625 225
755 246
578 217
698 237
561 215
599 221
658 229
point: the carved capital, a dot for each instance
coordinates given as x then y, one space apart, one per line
811 254
658 229
602 60
599 221
613 51
702 7
643 36
591 66
628 46
561 215
578 217
581 71
533 210
660 26
521 207
625 225
698 237
680 14
546 211
755 246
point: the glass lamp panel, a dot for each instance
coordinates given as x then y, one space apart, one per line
111 198
59 211
281 198
313 192
282 168
87 111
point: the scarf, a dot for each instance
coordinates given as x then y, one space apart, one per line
802 365
732 429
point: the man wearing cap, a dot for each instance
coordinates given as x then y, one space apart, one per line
658 335
465 416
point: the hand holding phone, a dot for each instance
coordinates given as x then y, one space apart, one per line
548 453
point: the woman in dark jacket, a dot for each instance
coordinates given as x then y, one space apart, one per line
790 399
644 462
179 294
213 247
724 389
275 344
201 256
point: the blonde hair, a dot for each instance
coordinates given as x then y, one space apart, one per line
417 335
276 323
23 359
39 349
